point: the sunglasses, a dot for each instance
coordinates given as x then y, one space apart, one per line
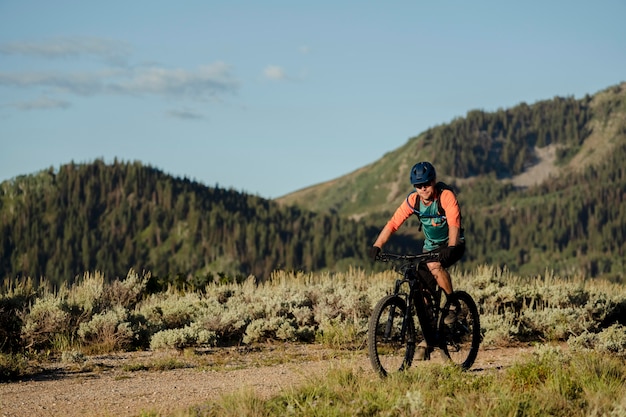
424 185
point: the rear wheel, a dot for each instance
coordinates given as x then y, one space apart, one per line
391 338
460 340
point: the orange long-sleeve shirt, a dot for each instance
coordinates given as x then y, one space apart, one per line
434 226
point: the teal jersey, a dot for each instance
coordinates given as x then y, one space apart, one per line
435 220
434 226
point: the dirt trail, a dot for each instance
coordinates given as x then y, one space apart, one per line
109 388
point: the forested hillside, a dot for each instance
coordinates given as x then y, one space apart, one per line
110 218
62 222
573 221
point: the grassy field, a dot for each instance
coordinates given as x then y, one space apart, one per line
586 315
548 382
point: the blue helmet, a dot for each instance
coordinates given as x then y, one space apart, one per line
422 172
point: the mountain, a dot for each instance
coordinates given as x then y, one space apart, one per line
541 186
110 218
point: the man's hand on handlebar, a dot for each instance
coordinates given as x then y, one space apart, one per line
373 252
446 253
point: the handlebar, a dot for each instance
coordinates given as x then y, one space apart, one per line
388 257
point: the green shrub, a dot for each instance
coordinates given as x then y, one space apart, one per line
15 297
188 336
169 310
14 366
497 329
86 294
125 293
610 340
227 324
339 334
107 331
47 319
333 309
271 328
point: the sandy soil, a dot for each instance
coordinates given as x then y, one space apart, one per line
112 385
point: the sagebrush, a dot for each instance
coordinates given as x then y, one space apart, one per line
94 315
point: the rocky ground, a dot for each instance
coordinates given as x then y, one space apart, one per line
128 383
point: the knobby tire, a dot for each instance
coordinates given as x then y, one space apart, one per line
389 350
460 342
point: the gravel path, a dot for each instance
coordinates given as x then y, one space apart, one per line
105 386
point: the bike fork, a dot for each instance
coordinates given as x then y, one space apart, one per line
389 325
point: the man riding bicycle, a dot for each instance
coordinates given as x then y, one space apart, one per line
438 210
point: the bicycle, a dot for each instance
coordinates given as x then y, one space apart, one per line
393 333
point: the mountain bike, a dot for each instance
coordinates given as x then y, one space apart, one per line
393 333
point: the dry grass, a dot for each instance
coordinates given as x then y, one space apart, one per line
547 382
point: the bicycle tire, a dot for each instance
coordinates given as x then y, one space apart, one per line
460 341
391 352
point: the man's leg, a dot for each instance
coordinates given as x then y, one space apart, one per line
445 282
442 276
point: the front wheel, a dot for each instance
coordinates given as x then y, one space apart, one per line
460 340
391 338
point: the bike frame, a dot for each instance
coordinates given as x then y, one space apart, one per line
393 331
415 298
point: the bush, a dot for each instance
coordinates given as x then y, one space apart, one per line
272 328
107 331
126 293
15 366
188 336
47 320
227 324
169 310
333 309
15 296
86 293
611 340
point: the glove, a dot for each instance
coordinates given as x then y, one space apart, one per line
373 252
445 254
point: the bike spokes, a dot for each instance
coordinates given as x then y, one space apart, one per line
461 339
391 337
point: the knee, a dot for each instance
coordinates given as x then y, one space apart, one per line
435 269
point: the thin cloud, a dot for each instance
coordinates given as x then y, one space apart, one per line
42 103
111 51
274 72
185 114
84 83
206 82
116 77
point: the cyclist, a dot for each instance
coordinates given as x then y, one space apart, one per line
438 210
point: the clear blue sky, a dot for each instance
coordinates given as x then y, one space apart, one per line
268 97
